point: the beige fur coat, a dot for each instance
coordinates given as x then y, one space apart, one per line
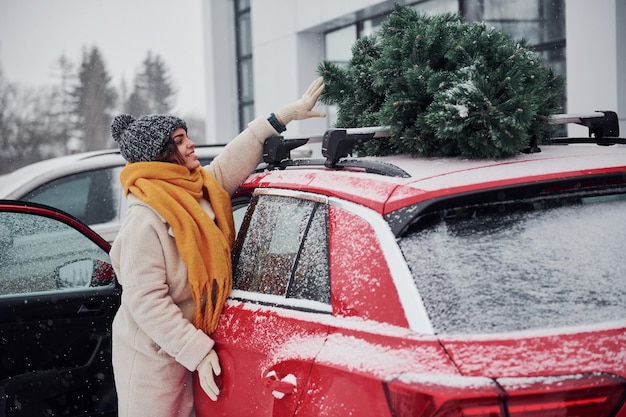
155 345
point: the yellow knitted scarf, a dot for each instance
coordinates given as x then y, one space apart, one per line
205 245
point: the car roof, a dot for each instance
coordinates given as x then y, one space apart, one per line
22 180
428 178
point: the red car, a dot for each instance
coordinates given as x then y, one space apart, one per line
404 286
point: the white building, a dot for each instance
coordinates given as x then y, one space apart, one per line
262 54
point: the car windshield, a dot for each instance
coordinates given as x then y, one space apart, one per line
533 264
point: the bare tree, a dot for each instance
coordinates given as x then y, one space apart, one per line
28 131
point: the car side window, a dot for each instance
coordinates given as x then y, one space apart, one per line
240 207
40 254
282 249
93 197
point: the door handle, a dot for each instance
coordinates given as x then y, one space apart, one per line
95 307
280 386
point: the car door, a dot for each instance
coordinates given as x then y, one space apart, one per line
369 337
273 326
58 295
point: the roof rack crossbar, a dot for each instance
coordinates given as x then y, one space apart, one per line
277 155
601 124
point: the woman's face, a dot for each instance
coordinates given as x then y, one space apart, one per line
186 149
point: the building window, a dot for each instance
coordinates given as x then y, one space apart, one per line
440 6
245 79
540 22
338 45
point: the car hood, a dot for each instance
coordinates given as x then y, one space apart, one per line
597 349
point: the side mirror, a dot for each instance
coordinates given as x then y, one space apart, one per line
84 273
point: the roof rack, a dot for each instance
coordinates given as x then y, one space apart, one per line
277 149
601 124
372 167
277 153
337 144
603 127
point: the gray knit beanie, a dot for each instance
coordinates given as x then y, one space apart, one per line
141 140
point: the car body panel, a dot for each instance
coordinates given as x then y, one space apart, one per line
337 362
258 346
566 351
356 357
554 162
435 177
361 289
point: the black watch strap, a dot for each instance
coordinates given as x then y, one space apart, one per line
278 126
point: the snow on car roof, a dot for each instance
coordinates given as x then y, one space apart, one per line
429 176
447 177
437 174
42 171
32 175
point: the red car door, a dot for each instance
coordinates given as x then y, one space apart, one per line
369 338
266 355
275 322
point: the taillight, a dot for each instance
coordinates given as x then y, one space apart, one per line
594 395
425 396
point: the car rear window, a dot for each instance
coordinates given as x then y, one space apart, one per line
534 264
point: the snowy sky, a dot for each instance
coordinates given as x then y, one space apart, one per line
35 33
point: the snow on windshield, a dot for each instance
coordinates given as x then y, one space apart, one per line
488 272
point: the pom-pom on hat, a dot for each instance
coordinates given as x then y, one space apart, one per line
141 140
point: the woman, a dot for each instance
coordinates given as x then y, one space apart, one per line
172 255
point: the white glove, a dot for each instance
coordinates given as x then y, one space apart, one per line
301 109
208 366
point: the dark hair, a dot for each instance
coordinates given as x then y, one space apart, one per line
170 153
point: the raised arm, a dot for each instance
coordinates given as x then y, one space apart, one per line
242 155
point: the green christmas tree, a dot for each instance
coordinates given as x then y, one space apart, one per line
445 88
